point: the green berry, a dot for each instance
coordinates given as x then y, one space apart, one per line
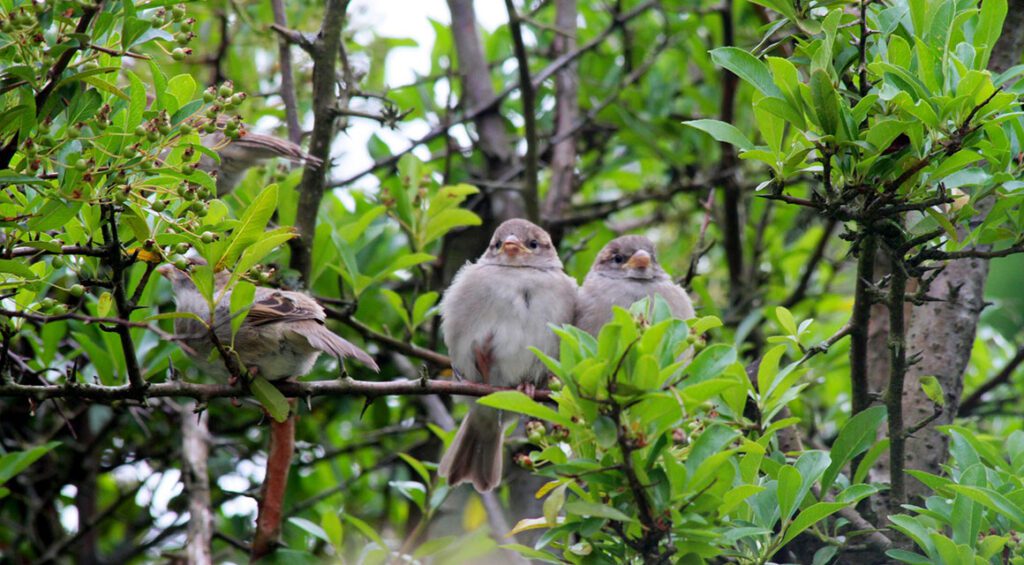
181 247
81 164
47 303
186 129
208 237
178 54
58 261
140 131
76 290
209 95
152 136
73 132
180 263
159 205
226 89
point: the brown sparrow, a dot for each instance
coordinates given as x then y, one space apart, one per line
250 149
493 312
624 272
281 337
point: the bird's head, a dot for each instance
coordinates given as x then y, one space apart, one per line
519 243
629 257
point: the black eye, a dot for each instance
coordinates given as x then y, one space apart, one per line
534 244
497 245
619 259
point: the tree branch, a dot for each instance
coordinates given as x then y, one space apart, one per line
486 106
311 188
206 392
284 54
859 320
529 190
972 402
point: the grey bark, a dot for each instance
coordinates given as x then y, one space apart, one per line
195 451
942 332
563 153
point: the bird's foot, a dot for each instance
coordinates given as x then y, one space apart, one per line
527 388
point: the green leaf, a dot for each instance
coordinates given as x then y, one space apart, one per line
857 436
448 220
17 268
271 398
786 320
826 102
331 525
250 227
722 131
515 401
994 501
412 490
933 390
789 488
748 68
417 466
812 515
17 461
241 301
310 528
595 510
553 504
364 529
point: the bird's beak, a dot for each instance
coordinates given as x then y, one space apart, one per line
513 247
640 260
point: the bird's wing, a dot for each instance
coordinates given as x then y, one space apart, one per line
274 306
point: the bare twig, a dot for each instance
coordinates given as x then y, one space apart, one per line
284 54
974 400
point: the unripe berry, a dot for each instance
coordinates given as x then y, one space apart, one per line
208 237
76 290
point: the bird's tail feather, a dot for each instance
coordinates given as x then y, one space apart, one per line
475 454
327 341
270 146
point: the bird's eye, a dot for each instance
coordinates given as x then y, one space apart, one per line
619 259
497 245
534 244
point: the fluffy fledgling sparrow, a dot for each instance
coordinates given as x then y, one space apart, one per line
281 337
624 272
250 149
493 312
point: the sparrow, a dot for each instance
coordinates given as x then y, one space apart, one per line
625 271
281 337
239 155
493 312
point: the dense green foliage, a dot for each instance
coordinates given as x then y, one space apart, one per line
853 130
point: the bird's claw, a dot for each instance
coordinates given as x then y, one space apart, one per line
527 388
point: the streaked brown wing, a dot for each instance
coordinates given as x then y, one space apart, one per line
281 306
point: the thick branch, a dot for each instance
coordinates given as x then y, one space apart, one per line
279 461
897 374
563 152
859 320
311 188
530 194
205 392
195 451
284 54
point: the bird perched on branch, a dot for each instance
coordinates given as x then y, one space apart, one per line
493 312
244 152
625 271
281 337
